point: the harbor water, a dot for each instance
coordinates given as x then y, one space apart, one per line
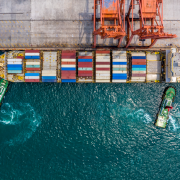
87 131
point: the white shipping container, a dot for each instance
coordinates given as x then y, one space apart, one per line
155 57
119 66
32 77
138 78
138 72
118 72
17 60
32 54
32 63
44 74
153 77
138 54
102 77
102 60
119 60
102 72
102 66
120 81
68 65
48 71
68 60
102 81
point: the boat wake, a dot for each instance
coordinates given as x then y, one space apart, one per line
20 120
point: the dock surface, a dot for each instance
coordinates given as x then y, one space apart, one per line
66 24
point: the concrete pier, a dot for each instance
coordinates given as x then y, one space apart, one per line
66 24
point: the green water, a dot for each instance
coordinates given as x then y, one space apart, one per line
87 131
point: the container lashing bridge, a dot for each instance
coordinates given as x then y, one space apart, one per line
150 20
112 20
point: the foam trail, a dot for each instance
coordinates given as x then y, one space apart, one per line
173 124
23 120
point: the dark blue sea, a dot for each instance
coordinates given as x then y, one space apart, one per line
87 132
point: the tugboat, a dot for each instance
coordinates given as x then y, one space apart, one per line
166 105
4 85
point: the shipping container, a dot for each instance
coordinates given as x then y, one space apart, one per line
32 80
14 71
68 66
32 77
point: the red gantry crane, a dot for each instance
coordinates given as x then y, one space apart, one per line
112 18
150 20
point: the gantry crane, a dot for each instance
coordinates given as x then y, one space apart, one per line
150 20
112 19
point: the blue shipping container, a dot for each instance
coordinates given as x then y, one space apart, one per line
32 57
14 71
68 80
14 65
138 69
49 80
14 68
48 77
119 63
32 74
139 66
138 57
84 60
68 69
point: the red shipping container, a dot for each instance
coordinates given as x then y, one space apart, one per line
32 51
84 72
68 62
85 64
73 56
68 77
85 57
138 63
102 63
33 69
31 80
103 52
102 69
138 75
139 60
84 75
68 51
68 72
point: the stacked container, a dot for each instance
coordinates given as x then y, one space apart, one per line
32 77
15 66
153 67
138 67
32 54
119 66
32 65
85 66
102 66
49 72
68 66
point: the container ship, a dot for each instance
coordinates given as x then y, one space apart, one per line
100 66
90 41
